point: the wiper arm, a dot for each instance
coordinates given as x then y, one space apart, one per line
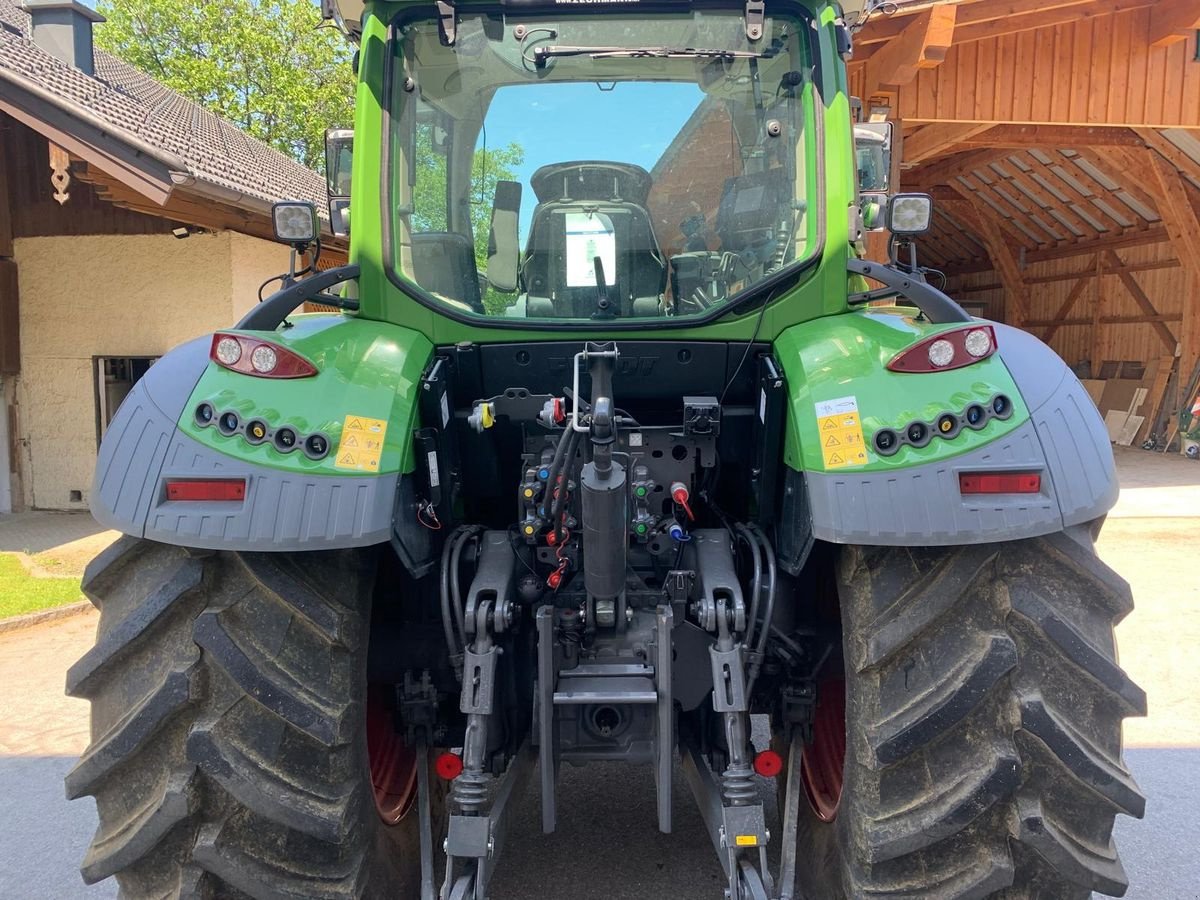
541 54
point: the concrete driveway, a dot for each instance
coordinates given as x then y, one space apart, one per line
607 832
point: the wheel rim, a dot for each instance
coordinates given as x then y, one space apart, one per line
822 763
393 763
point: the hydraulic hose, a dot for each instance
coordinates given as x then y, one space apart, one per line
560 498
756 590
448 617
556 463
772 584
455 589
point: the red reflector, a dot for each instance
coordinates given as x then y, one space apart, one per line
999 482
448 766
226 489
768 764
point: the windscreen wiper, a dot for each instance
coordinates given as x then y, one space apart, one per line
541 54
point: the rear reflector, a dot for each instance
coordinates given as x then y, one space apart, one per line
448 766
208 489
999 482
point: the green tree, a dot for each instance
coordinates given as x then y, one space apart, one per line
489 167
268 66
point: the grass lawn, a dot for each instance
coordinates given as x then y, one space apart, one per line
20 592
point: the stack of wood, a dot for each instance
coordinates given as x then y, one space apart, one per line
1132 406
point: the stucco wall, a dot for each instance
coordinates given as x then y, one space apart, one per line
111 295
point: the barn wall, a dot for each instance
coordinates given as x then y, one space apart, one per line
1116 78
1078 343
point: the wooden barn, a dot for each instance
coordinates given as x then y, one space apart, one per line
1061 142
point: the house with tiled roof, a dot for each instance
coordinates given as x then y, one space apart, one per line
131 219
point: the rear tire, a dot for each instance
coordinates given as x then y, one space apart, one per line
229 740
983 726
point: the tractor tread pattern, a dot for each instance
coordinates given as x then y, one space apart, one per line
239 772
132 731
988 760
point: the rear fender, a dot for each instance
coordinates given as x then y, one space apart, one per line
851 493
362 402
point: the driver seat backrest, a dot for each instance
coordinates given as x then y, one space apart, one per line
641 272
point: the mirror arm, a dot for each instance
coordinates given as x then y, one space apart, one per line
268 315
937 307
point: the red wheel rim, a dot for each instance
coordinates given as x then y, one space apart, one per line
393 764
823 762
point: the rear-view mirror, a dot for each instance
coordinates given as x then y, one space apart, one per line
504 250
339 166
873 155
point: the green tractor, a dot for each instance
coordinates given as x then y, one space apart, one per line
614 442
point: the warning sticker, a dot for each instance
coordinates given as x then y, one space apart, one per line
745 840
840 428
361 446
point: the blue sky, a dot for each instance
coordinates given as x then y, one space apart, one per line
633 123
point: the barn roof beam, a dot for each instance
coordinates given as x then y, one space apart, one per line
1172 21
1004 261
921 45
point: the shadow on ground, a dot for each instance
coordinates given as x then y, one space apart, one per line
607 846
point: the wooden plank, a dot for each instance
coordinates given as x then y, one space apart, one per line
921 45
1172 21
1144 303
6 201
1098 334
1102 320
10 322
1157 393
1062 16
1067 305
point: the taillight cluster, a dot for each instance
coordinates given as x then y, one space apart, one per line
946 351
252 356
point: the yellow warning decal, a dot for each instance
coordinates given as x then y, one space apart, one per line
745 840
840 428
361 446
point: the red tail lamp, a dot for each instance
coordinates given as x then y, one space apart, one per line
214 489
768 764
999 482
946 351
259 358
448 766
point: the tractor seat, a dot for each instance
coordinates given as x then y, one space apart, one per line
585 210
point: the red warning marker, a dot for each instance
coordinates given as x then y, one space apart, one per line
448 766
768 764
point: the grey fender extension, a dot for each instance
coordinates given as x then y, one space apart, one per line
283 511
922 505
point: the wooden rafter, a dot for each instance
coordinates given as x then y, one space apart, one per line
1004 261
1052 136
1118 166
1157 141
1154 235
1050 204
921 45
1098 192
1172 20
883 28
938 138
